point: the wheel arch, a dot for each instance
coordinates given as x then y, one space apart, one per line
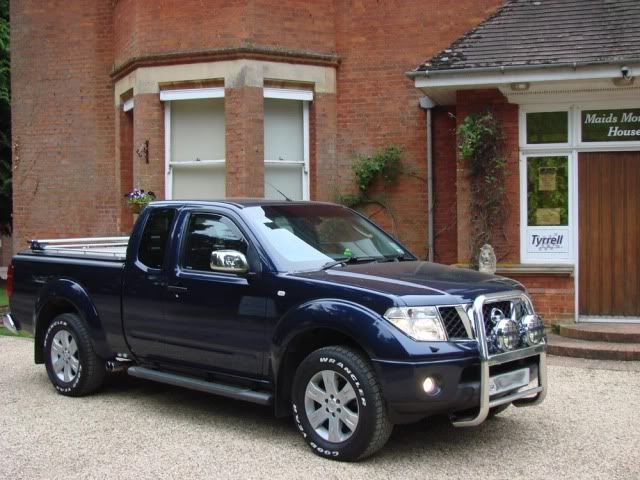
66 296
320 324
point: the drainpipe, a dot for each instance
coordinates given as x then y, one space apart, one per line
427 104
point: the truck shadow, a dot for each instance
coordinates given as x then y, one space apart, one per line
431 436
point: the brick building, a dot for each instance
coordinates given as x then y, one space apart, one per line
244 98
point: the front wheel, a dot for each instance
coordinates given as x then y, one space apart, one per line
72 364
338 404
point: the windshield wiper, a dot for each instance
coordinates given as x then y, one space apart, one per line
347 260
394 258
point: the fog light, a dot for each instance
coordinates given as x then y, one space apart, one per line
507 335
533 329
430 386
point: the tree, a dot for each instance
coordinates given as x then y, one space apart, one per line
5 121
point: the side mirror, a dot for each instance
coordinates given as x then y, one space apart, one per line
229 261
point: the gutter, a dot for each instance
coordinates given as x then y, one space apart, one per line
517 68
427 104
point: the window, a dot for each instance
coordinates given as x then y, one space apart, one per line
302 237
547 127
195 137
154 237
610 125
285 148
207 233
547 191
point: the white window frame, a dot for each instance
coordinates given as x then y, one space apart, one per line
305 96
128 104
168 96
570 228
603 146
525 109
573 148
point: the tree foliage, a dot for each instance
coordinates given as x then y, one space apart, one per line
5 121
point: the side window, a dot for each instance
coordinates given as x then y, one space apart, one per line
207 233
154 237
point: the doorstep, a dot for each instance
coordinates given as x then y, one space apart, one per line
601 341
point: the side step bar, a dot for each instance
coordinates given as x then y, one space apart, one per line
238 393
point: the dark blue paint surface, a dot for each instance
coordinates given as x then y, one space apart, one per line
240 327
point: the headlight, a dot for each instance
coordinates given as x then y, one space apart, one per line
532 329
420 323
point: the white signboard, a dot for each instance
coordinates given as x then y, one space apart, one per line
548 244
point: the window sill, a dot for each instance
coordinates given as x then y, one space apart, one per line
507 269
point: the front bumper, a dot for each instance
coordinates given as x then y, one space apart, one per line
465 380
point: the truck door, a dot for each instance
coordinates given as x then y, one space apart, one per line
216 319
145 285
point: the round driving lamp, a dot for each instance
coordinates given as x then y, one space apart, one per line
507 335
533 329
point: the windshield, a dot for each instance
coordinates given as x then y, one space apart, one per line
309 236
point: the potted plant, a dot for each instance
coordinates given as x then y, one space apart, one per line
138 199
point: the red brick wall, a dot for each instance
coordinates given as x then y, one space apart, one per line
125 154
244 141
553 296
149 27
62 119
322 147
378 106
445 225
148 125
507 243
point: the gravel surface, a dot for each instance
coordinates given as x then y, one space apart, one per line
589 427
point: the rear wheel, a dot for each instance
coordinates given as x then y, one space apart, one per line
338 404
72 364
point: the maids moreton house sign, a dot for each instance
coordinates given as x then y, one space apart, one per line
610 125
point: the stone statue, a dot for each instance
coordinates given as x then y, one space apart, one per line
487 259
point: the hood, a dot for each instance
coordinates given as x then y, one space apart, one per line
417 283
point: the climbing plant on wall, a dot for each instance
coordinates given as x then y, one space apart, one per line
5 121
480 145
385 165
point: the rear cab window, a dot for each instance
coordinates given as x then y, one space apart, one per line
153 244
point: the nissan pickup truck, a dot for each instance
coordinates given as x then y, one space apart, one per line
306 307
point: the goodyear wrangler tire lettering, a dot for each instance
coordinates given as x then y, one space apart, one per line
338 406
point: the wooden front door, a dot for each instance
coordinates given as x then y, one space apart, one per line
609 206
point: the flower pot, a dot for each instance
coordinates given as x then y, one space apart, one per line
137 207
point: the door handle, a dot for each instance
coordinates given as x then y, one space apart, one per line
177 289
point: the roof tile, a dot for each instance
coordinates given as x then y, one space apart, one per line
538 32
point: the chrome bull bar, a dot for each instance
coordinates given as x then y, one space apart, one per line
528 397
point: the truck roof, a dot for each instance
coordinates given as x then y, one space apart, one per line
236 202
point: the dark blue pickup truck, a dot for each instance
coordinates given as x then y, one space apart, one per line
304 306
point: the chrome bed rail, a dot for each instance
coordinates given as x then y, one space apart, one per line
94 247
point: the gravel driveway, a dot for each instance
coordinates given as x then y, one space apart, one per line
589 427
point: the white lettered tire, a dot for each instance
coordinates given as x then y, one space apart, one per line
338 405
72 364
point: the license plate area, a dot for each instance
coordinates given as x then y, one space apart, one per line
505 382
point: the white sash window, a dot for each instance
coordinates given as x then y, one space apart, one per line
286 144
194 143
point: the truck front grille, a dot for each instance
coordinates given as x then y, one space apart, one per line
453 323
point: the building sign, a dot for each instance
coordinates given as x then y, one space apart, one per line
545 241
611 125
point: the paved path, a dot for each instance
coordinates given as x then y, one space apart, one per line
589 427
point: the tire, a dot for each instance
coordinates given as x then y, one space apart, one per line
336 389
498 410
72 364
